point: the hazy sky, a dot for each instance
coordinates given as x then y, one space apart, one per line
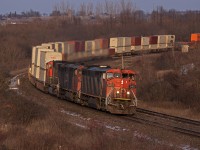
46 6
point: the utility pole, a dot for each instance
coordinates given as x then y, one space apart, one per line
122 61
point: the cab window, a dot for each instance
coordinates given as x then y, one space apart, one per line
132 76
125 75
117 75
109 75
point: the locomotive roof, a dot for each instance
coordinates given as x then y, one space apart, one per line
98 68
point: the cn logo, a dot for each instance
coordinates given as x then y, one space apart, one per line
122 82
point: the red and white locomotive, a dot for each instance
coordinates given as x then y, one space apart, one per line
99 87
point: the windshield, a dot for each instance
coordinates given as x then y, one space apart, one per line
117 75
109 75
126 75
113 75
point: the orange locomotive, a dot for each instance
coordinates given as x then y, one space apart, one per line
112 90
99 87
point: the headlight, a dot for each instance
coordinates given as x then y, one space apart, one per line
128 93
117 92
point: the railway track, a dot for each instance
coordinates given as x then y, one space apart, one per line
168 122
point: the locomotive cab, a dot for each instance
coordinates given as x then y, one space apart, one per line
121 91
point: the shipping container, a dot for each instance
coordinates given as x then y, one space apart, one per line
38 54
153 46
145 41
58 47
101 44
135 41
32 69
49 45
37 72
42 74
171 39
65 47
114 42
35 51
47 56
162 46
195 37
153 40
136 48
162 39
184 48
120 42
79 46
145 47
90 45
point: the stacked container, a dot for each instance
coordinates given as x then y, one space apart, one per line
34 64
195 37
79 46
101 45
121 44
145 43
89 48
49 45
135 43
38 63
162 41
153 42
170 41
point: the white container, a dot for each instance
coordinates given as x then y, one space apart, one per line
49 45
47 56
120 42
113 42
38 55
35 53
145 41
170 41
145 47
153 46
68 48
42 74
162 46
136 48
32 69
184 48
37 72
127 41
119 49
162 39
58 47
170 38
89 45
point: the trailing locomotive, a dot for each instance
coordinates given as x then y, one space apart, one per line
99 87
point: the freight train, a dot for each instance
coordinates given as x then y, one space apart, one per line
99 87
72 50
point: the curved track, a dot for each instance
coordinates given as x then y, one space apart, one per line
168 122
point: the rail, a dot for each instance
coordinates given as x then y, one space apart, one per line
165 121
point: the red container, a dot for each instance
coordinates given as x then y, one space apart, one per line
101 43
153 40
79 45
111 51
104 43
135 41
